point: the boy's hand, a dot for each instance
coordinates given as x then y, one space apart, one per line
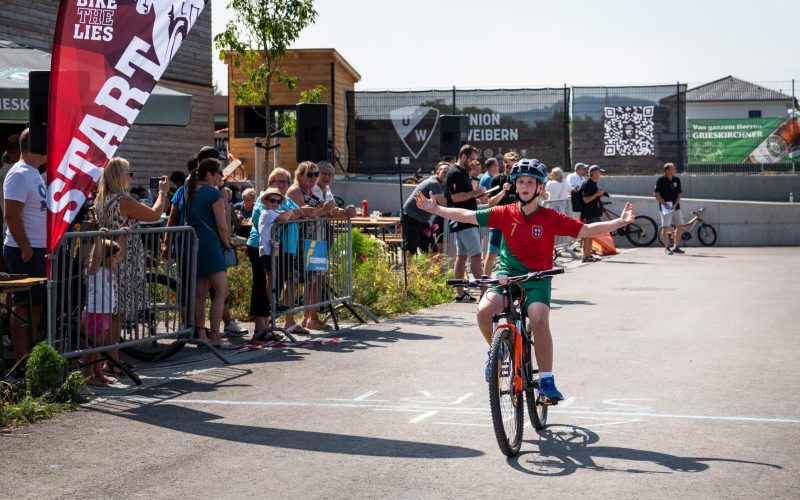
628 214
427 204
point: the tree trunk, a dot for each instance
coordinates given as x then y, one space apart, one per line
261 180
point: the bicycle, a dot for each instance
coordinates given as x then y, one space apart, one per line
513 371
706 233
641 232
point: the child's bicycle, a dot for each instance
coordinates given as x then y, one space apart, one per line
512 365
706 233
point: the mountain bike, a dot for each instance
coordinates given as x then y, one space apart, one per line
512 364
641 232
706 233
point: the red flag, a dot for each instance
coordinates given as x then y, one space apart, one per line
107 57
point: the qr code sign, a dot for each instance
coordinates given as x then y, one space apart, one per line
629 131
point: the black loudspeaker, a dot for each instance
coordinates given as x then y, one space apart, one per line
38 96
314 132
452 135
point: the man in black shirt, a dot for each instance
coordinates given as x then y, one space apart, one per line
460 194
668 193
592 209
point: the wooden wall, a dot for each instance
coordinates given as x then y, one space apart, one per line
151 150
311 67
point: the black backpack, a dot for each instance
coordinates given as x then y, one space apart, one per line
576 197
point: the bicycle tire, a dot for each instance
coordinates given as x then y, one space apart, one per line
672 230
537 412
162 348
642 232
506 407
707 235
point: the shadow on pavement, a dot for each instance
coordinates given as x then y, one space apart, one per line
564 449
614 261
200 423
571 303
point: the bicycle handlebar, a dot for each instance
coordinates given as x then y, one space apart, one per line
503 280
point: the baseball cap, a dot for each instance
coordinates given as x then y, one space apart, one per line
210 152
580 165
595 168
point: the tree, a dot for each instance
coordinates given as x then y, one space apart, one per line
256 40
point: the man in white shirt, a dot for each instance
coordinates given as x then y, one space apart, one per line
576 178
322 190
25 210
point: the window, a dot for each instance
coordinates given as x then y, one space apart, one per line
250 121
754 113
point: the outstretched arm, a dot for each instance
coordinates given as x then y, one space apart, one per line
456 214
598 228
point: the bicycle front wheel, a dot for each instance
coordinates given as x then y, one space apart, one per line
707 235
642 231
505 399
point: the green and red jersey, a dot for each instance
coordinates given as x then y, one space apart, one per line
527 241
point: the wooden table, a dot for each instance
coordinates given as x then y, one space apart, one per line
379 226
16 286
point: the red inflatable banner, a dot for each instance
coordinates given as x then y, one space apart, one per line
107 57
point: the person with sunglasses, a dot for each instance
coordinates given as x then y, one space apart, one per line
302 193
271 199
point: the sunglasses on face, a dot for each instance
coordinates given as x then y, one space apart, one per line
274 201
312 175
280 181
130 173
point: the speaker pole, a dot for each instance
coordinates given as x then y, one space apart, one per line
399 161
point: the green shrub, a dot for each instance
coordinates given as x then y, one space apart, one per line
45 371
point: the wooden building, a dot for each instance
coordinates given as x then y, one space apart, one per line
152 150
311 67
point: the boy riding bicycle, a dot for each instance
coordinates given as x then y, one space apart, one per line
529 233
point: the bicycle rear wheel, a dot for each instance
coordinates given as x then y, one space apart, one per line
642 232
672 230
159 316
707 235
536 410
505 399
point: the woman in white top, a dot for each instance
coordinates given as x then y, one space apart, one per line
556 188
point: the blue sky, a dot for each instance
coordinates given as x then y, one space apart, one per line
416 44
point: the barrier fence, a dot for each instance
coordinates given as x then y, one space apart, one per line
117 289
310 267
727 126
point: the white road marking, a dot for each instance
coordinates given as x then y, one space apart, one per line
567 402
422 417
426 408
462 398
462 423
365 395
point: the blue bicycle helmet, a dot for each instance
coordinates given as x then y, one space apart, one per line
530 167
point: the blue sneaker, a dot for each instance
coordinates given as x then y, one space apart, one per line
547 389
487 371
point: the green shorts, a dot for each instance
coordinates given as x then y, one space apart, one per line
535 291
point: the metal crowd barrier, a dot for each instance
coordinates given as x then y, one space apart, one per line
311 262
156 319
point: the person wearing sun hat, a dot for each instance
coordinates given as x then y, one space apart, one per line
271 199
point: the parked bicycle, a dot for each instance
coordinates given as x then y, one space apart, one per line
512 364
706 234
641 232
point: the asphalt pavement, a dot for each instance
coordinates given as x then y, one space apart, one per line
680 372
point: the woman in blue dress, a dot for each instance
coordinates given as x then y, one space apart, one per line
205 212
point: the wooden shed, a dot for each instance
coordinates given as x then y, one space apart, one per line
311 67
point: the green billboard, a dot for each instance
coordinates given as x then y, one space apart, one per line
743 140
